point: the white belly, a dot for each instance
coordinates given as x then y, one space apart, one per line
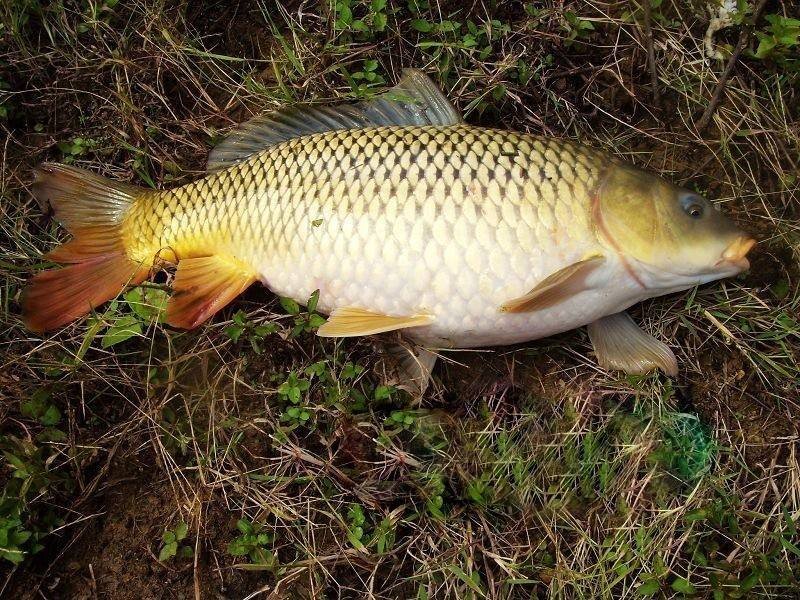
463 297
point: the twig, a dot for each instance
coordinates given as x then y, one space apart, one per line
716 97
651 53
195 571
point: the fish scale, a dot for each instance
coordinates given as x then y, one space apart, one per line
448 221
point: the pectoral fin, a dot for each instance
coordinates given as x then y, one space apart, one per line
620 344
413 366
349 322
559 286
203 286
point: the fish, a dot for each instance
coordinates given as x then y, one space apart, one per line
402 218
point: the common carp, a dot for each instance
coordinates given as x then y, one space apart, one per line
404 218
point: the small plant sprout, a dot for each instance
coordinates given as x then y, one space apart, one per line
171 545
304 322
253 543
76 148
244 329
355 526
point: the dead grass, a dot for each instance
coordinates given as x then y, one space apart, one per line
529 472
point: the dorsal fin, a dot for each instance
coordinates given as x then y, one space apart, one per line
415 100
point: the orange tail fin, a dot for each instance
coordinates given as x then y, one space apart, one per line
92 208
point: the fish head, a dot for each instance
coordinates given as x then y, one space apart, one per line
670 237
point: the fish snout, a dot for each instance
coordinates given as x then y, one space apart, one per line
736 253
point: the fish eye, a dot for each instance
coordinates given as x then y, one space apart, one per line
693 205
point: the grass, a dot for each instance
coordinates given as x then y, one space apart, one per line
250 458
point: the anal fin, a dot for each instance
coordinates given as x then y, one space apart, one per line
620 344
350 321
203 286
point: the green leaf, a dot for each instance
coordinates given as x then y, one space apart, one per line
791 529
245 526
749 582
765 46
790 546
648 588
698 514
147 303
316 321
234 332
682 586
15 461
123 329
238 548
356 515
181 530
168 551
459 572
264 330
20 537
51 416
421 25
37 405
294 395
383 392
14 556
781 289
313 301
290 306
168 536
344 14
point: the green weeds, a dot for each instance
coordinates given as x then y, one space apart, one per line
253 543
577 29
76 148
146 306
304 322
172 545
25 519
779 42
255 334
360 20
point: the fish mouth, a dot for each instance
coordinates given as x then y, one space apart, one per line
735 254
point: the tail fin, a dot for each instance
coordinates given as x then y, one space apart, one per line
92 208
